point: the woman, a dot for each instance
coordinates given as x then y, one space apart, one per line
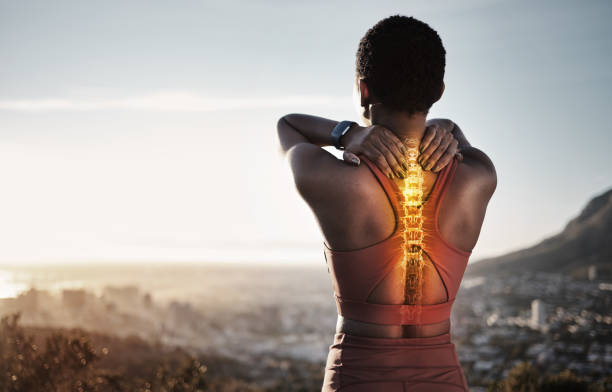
399 229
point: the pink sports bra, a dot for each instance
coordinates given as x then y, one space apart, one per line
355 273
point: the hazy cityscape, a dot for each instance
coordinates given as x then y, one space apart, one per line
263 315
143 133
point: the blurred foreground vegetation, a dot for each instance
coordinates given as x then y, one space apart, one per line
45 359
527 378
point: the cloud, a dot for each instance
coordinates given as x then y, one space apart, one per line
169 101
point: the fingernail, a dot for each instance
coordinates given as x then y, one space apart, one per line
355 161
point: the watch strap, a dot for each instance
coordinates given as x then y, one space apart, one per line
340 130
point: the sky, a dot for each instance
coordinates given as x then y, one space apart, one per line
145 130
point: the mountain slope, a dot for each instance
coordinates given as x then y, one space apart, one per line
585 240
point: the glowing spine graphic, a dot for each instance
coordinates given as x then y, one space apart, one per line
412 224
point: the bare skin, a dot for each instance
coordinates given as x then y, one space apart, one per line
353 211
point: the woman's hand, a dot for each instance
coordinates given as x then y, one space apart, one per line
386 150
438 146
379 145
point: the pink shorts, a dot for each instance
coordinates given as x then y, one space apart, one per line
360 364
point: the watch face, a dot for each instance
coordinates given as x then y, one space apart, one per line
345 129
339 130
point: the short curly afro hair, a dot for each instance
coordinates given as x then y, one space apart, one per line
402 61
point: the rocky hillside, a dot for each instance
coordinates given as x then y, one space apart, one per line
585 240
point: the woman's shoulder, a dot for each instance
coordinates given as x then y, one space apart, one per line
476 172
464 206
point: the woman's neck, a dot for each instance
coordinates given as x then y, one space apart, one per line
404 126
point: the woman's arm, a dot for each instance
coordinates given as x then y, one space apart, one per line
303 128
377 143
458 134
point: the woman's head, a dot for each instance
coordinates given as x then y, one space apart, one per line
400 64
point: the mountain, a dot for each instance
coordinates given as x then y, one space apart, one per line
585 240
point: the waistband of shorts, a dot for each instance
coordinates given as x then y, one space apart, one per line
342 337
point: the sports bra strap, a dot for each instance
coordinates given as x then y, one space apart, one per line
444 178
390 188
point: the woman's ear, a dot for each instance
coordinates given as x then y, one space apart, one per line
441 91
364 93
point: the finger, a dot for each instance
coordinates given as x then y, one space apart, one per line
430 133
353 159
376 156
393 139
447 143
395 146
444 160
388 155
431 147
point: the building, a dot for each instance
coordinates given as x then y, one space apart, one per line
538 314
592 272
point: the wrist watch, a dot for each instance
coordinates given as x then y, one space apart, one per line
339 130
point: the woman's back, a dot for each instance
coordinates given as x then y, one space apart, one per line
366 264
